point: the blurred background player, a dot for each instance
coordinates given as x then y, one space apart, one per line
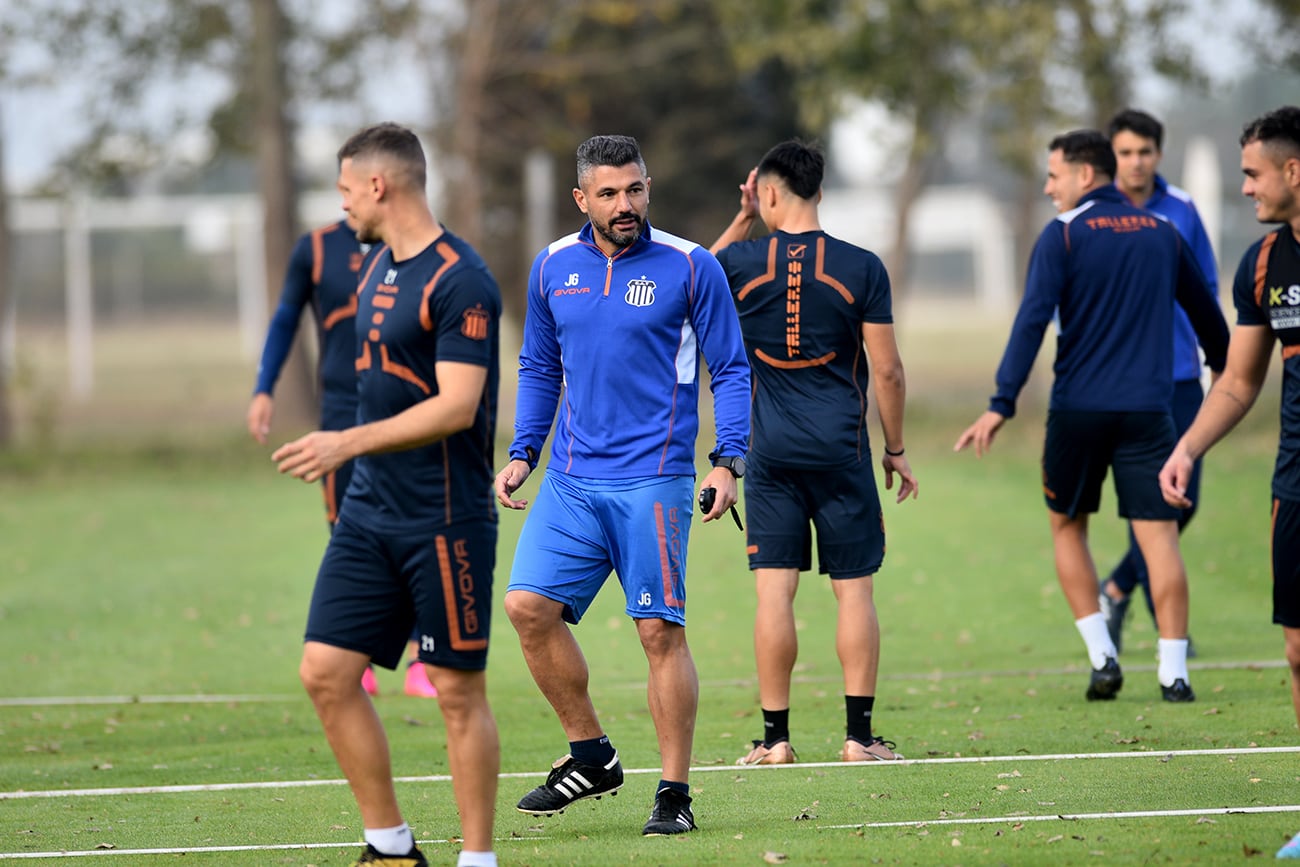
415 541
1113 271
812 377
1266 293
619 314
1137 139
322 275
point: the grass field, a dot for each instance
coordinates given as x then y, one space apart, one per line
151 609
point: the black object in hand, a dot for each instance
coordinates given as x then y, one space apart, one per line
707 498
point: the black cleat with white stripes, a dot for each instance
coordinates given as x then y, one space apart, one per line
571 780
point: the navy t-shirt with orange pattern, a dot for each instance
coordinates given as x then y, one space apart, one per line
440 305
1266 291
802 299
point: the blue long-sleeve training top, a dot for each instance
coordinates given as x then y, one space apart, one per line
621 337
1115 272
1174 204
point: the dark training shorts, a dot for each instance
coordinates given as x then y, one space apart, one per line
782 505
1080 447
372 587
1286 563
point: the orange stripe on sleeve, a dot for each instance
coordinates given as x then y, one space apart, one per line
1261 266
450 258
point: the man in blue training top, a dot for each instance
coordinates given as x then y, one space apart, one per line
808 303
322 274
1114 271
618 316
1266 293
1137 138
415 542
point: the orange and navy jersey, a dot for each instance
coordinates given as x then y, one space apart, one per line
322 273
1266 291
802 299
1114 271
620 339
440 305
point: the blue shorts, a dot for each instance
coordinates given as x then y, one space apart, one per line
581 529
782 505
372 587
1081 446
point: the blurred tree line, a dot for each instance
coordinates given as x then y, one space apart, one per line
705 85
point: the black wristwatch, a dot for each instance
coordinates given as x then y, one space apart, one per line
736 464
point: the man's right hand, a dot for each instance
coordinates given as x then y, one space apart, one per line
260 411
508 481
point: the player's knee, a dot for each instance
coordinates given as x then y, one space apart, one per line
528 612
1293 649
661 637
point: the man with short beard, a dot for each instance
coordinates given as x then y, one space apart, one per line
618 316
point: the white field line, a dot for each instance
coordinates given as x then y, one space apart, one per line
186 850
936 676
1070 817
702 769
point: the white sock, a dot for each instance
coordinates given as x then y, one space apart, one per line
391 841
1093 630
476 859
1173 660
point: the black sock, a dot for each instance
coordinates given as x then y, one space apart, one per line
857 713
776 726
680 788
597 751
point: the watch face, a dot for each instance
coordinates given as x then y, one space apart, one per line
738 467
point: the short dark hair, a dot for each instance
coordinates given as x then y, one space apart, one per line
799 164
1279 130
1137 122
392 141
1087 146
608 150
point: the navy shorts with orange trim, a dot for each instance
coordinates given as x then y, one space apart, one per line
581 529
372 588
782 505
1081 446
1286 563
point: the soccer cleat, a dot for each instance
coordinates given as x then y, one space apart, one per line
570 780
414 858
879 750
368 682
1181 691
1291 849
1105 682
417 681
780 753
671 814
1114 610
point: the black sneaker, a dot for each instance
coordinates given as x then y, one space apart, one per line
1181 691
671 815
570 780
1105 682
1114 610
414 858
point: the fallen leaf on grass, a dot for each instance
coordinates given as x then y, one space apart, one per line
775 857
1206 820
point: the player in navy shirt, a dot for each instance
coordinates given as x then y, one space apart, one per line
1137 138
808 303
1266 293
1114 271
618 317
416 536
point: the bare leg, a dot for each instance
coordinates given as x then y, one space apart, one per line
1159 543
673 693
473 750
332 677
1293 660
857 634
776 646
555 660
1074 567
